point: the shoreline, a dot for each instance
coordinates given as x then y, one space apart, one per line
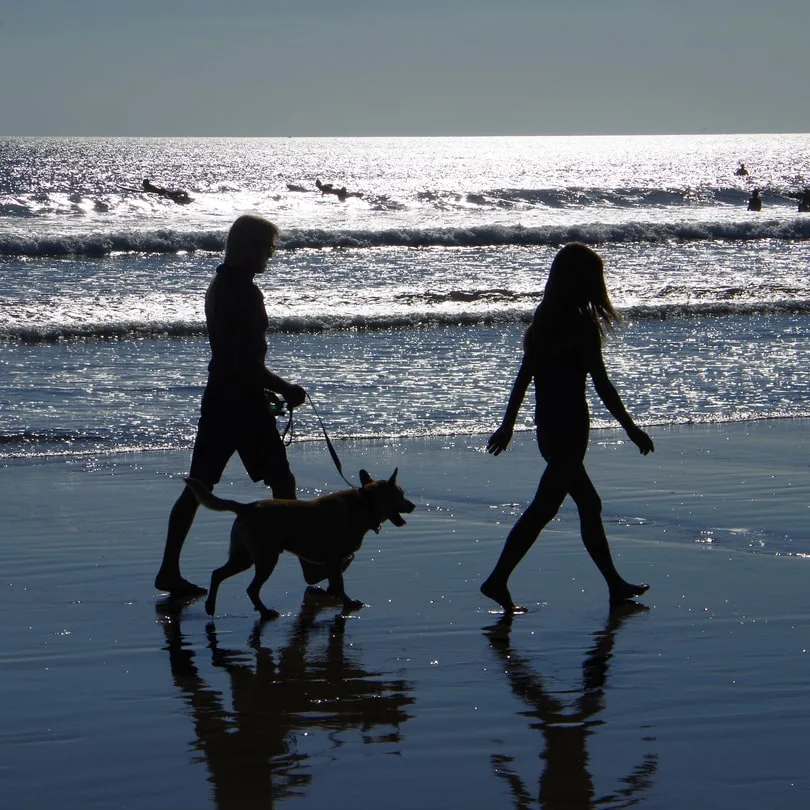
765 458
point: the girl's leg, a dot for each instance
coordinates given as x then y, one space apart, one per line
551 492
589 506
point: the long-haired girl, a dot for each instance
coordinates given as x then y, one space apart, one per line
561 348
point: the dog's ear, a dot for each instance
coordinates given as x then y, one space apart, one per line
365 478
393 478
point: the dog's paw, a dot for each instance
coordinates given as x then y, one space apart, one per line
268 614
352 604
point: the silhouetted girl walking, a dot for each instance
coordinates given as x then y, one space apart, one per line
561 348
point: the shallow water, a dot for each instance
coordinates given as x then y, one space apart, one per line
107 396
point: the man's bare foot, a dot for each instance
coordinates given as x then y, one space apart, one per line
625 591
500 593
178 587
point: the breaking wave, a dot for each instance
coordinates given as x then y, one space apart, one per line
510 312
175 241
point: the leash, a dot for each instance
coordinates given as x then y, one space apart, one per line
289 434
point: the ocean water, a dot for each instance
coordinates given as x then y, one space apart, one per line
401 309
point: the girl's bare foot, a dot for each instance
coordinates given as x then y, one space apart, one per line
625 591
499 593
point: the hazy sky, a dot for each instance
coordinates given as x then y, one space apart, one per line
414 67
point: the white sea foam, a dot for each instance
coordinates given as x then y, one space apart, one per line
176 241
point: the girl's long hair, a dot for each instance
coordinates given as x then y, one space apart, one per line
575 287
576 282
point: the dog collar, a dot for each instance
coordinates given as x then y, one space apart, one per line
375 524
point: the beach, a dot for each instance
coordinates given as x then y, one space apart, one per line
117 697
401 313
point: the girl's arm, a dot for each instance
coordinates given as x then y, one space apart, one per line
500 439
613 402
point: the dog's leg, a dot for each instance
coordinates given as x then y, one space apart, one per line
238 561
313 572
317 572
336 586
265 563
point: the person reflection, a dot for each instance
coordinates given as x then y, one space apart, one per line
247 732
566 782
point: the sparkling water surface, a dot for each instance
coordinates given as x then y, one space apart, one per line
401 310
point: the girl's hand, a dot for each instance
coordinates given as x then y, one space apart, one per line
641 440
499 440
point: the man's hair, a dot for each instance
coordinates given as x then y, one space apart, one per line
249 238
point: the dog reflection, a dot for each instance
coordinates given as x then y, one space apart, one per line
566 783
247 732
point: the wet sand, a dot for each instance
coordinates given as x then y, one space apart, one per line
117 697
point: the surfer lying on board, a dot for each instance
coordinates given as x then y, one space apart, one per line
175 195
340 193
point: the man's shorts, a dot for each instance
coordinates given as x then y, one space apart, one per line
231 425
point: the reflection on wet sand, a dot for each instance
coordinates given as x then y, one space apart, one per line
566 782
247 733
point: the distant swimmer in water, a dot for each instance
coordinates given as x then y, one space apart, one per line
755 203
175 195
341 193
741 170
804 202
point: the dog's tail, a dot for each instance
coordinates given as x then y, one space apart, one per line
207 498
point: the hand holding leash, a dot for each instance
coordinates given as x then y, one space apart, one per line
295 395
